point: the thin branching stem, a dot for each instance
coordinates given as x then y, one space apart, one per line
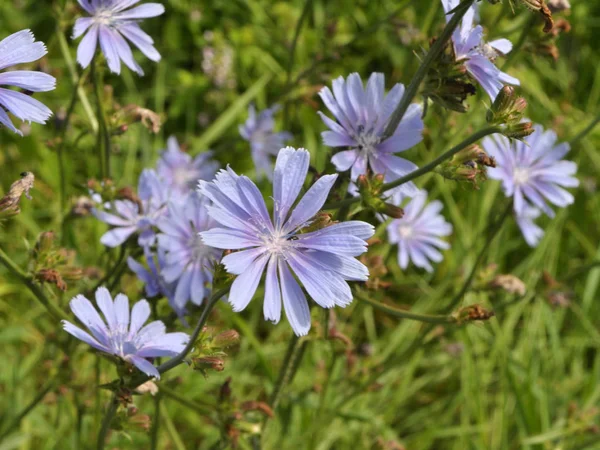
494 229
176 360
108 417
426 168
103 138
583 133
403 314
433 53
35 289
290 65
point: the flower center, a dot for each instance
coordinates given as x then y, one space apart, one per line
103 17
183 176
489 52
367 140
276 244
405 231
198 248
521 175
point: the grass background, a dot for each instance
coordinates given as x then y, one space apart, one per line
526 379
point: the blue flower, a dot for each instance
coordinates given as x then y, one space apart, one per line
110 24
532 171
362 115
122 335
182 173
20 48
531 232
264 142
418 233
322 260
130 217
479 56
188 261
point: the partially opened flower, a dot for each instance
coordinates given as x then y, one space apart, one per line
123 335
180 171
479 56
532 171
111 22
418 233
322 260
526 221
129 217
264 141
149 274
189 262
362 115
21 48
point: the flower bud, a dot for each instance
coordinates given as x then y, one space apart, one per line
519 130
393 211
226 339
208 363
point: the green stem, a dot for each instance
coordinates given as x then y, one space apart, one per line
493 231
108 417
585 131
103 137
580 270
176 360
525 30
85 102
426 168
203 410
292 349
290 64
155 424
427 318
435 51
35 289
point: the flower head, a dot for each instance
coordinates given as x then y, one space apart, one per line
526 221
479 56
123 335
182 173
130 217
532 171
110 24
20 48
418 233
264 142
188 260
362 115
321 260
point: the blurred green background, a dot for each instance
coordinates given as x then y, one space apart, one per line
526 379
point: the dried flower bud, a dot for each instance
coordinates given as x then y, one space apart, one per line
9 204
149 387
45 242
473 313
558 5
258 406
508 283
51 276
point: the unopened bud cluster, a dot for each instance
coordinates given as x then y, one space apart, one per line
371 193
469 165
208 353
508 110
54 265
447 82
